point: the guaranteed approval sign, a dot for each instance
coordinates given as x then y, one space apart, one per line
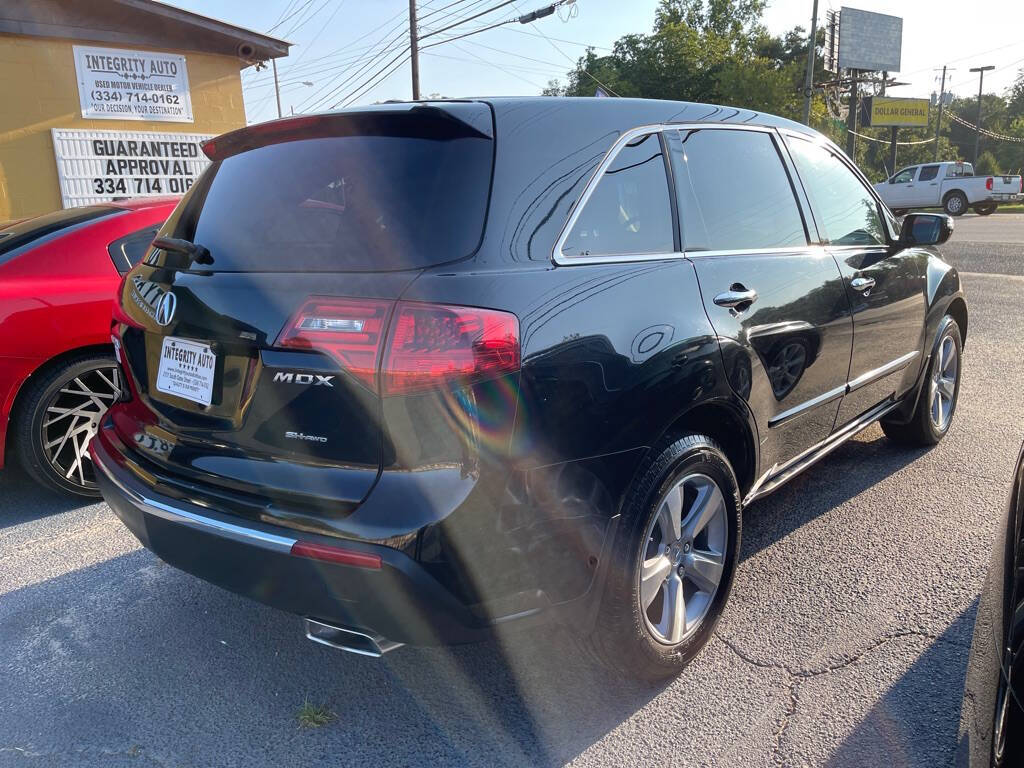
119 84
910 113
99 166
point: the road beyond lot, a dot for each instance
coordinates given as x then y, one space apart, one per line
844 644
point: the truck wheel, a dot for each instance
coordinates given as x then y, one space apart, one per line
955 203
985 209
673 562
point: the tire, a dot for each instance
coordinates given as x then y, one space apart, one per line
985 209
625 638
924 427
65 466
955 203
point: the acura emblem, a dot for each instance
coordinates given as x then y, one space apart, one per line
165 308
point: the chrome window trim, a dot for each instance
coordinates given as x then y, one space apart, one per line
619 258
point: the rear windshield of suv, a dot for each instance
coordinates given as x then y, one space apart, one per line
346 203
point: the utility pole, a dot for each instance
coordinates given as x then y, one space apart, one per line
414 49
938 120
809 81
851 118
277 89
981 80
893 132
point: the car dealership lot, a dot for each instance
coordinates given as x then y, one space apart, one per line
844 643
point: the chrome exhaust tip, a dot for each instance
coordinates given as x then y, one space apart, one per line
350 640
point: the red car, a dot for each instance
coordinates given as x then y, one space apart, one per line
58 276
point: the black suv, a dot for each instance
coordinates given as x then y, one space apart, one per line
418 370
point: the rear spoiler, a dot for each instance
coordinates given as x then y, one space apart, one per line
457 120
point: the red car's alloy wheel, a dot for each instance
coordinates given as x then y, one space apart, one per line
71 418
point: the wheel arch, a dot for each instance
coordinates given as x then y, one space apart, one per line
43 368
728 424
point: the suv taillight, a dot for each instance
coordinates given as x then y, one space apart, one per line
432 344
988 183
349 330
428 345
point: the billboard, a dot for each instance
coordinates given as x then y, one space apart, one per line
885 110
869 41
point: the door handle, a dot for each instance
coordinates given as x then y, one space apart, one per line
736 296
862 283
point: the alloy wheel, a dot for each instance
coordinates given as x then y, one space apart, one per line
71 418
943 384
683 559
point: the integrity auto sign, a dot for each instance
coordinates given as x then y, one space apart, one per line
97 166
118 84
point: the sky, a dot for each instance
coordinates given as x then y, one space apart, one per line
332 60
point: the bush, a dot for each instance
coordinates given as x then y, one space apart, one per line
987 165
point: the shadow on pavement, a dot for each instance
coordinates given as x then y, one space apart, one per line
23 500
854 467
174 669
911 725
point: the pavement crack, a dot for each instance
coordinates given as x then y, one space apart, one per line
792 685
845 661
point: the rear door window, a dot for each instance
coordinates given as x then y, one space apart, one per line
128 251
928 173
409 196
734 192
629 211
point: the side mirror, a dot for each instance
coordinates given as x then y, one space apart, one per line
926 229
892 180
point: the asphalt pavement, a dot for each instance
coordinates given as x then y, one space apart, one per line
844 643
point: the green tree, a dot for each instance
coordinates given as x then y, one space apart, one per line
987 164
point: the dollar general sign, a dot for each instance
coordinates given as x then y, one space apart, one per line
901 112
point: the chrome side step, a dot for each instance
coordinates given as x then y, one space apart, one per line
778 475
349 640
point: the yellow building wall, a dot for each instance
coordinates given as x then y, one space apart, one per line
39 91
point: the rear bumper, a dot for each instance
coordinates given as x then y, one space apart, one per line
399 601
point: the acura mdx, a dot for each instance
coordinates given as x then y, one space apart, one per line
417 370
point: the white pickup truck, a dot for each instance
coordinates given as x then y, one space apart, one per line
950 186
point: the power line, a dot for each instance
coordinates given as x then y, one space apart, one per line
574 63
331 88
282 21
375 83
469 18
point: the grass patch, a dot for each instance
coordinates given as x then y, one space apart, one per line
314 715
1010 209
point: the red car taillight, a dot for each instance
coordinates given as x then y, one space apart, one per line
432 344
350 330
988 183
119 316
428 345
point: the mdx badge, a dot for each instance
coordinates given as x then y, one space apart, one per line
303 378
